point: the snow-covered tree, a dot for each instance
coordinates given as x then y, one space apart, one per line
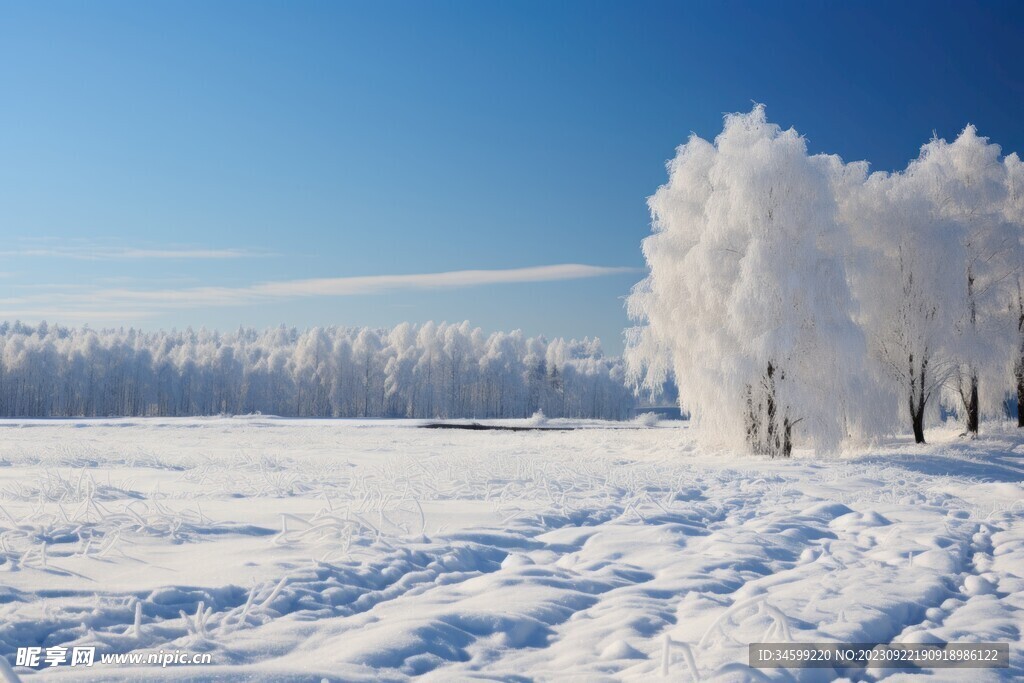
747 302
1014 214
965 183
900 276
446 370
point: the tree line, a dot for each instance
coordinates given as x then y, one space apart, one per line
417 371
795 297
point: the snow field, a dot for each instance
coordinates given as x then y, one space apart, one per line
372 550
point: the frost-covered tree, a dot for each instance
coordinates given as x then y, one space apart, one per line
446 370
900 276
398 372
965 183
747 302
1014 215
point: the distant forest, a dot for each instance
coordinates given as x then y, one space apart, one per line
422 371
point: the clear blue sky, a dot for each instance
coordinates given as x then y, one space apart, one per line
161 160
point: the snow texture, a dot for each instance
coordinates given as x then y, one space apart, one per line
377 551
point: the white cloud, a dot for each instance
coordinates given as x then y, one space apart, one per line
81 303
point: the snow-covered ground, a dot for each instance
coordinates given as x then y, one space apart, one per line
374 550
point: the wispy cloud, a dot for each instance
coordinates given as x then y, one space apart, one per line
74 315
106 303
87 252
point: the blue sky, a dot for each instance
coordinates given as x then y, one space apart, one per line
198 163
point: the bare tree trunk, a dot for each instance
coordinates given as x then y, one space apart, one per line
771 436
972 401
765 436
1018 370
1020 398
972 406
916 400
917 417
753 423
